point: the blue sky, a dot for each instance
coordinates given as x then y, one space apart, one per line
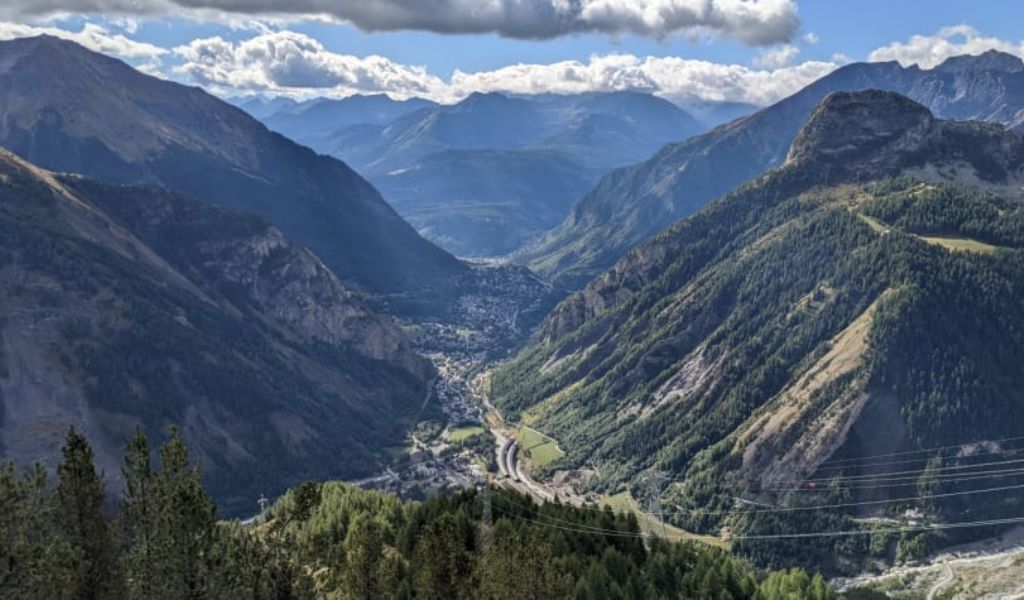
743 50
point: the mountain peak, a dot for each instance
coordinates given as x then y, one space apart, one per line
991 60
846 125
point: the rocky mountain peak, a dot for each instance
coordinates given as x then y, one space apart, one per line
992 60
848 125
857 135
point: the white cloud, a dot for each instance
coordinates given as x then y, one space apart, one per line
94 37
777 57
289 62
841 59
928 51
753 22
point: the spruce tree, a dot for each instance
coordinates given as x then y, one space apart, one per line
138 516
78 508
366 574
185 522
35 562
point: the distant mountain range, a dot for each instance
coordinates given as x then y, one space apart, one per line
129 306
633 203
488 174
69 109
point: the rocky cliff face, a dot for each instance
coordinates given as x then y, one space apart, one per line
254 266
133 306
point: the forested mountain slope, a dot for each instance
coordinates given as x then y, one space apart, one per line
125 306
864 298
631 204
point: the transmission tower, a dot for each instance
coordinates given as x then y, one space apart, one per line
653 482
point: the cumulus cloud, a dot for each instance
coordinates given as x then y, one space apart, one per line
675 78
778 57
754 22
291 63
927 51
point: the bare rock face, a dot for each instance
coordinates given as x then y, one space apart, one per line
873 133
848 126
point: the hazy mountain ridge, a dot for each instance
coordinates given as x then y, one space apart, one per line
441 167
813 313
133 305
632 204
309 122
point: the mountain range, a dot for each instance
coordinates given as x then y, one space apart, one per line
69 109
631 204
134 306
484 176
859 300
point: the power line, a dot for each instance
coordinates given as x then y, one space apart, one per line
923 450
924 458
818 534
845 504
911 528
915 471
901 481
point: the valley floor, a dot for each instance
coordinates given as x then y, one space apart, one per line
989 569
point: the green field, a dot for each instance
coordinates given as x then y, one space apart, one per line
960 244
623 502
462 434
541 450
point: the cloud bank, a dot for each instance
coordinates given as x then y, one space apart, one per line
286 62
927 51
753 22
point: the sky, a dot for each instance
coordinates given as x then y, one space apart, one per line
751 51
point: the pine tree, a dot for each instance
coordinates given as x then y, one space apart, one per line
78 508
443 568
35 562
138 516
185 522
369 573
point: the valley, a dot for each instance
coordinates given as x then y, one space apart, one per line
503 344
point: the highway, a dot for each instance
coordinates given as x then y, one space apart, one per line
510 466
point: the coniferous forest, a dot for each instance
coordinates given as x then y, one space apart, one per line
62 537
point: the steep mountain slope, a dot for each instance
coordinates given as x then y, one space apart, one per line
126 306
631 204
69 109
863 299
433 165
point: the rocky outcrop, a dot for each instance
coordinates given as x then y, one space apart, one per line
129 306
